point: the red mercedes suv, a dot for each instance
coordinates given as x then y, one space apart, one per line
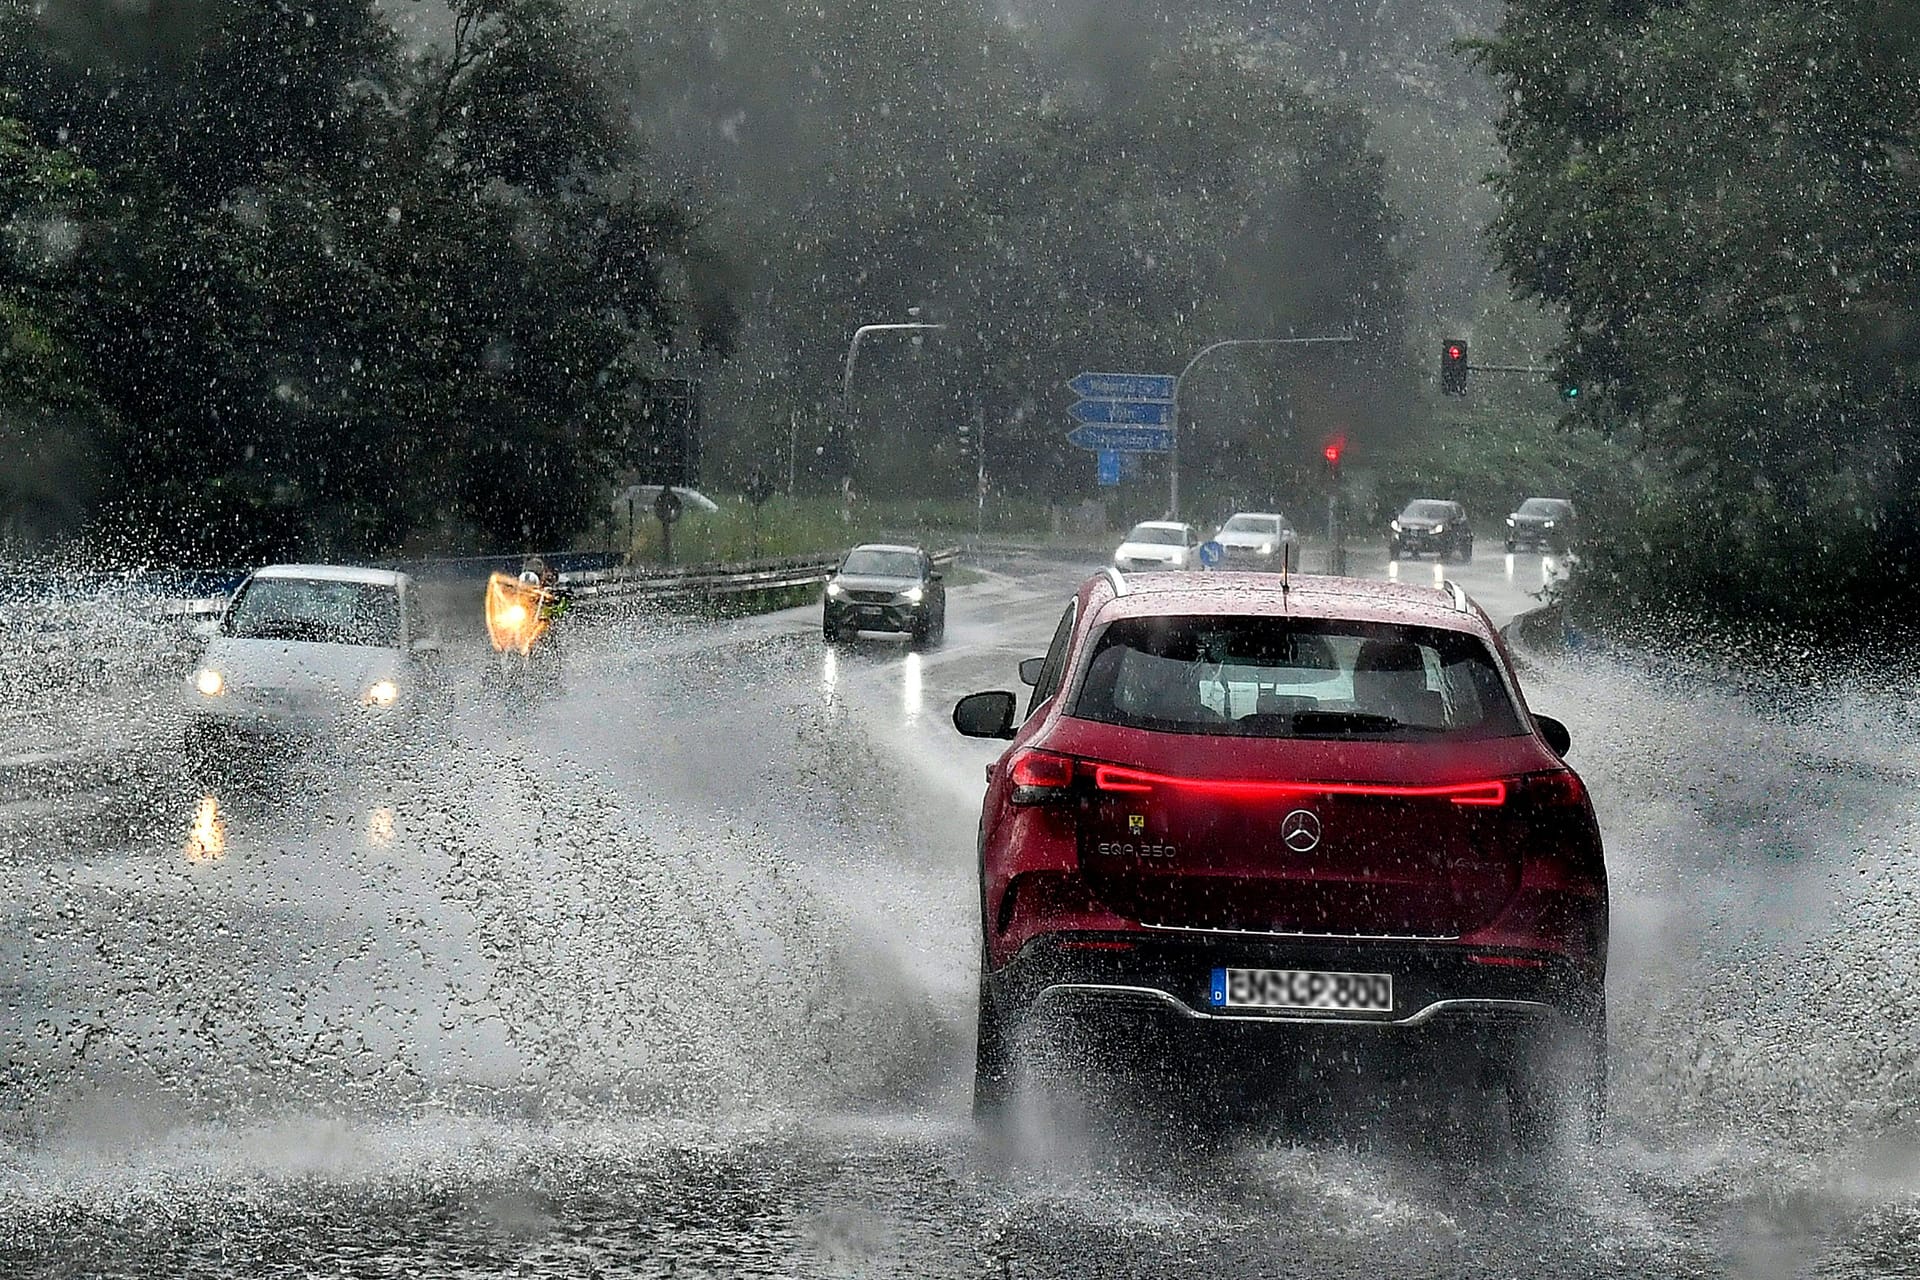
1318 807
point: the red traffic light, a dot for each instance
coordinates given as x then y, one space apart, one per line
1453 367
1334 448
1332 452
1453 353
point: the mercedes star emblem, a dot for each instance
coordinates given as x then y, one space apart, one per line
1300 830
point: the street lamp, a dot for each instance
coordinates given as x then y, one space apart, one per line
1173 414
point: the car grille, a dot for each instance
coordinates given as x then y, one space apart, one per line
871 597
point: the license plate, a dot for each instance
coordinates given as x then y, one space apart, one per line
1301 989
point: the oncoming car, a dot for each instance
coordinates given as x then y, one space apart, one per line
1255 540
1541 524
885 588
307 649
1159 544
1300 821
1430 524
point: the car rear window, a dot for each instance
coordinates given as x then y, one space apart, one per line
1270 677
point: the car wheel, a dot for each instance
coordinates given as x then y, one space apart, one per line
994 1060
1556 1077
1466 552
1511 546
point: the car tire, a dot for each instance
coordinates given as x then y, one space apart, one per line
1557 1077
1466 552
1512 546
995 1061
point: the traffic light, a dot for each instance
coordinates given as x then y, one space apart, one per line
1453 367
1335 446
1570 391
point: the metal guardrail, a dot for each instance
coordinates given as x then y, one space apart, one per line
588 584
712 580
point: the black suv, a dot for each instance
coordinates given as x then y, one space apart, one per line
1431 525
1541 524
885 588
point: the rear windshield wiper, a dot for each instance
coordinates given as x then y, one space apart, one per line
1343 722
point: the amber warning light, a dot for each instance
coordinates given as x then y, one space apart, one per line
515 618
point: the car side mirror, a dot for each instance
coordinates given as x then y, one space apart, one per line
1555 733
985 715
936 576
206 628
1030 670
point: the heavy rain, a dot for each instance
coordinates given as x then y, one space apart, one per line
504 504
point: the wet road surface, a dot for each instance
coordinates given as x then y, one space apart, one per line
672 974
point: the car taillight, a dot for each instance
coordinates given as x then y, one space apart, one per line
1557 788
1113 777
1041 777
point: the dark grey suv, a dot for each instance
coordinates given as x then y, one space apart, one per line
1430 525
879 587
1541 524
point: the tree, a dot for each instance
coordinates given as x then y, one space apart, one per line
1723 196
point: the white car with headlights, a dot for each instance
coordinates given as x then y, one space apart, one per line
309 649
1255 540
1159 544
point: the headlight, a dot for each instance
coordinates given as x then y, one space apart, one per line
835 590
1509 522
914 595
209 682
382 693
1439 528
1549 524
1394 525
1266 548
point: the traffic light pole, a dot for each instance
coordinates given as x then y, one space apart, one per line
1173 414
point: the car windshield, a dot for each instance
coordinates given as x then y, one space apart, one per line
317 610
868 562
1551 508
1252 524
1426 509
1279 678
1157 536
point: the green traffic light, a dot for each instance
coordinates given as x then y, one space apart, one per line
1571 393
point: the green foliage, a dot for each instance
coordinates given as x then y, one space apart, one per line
339 294
1725 197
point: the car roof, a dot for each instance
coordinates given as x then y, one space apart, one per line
333 573
1150 595
886 546
1255 515
1163 524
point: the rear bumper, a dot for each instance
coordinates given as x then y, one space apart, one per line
1437 987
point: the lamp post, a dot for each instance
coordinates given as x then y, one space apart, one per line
1173 453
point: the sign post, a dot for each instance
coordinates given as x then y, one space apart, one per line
666 509
1121 416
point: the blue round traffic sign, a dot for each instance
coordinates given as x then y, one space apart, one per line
1211 554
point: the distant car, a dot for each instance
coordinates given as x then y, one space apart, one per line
1431 526
1541 524
1274 825
1255 540
880 587
1159 544
311 649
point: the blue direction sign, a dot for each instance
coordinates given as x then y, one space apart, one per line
1108 466
1124 439
1157 413
1122 386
